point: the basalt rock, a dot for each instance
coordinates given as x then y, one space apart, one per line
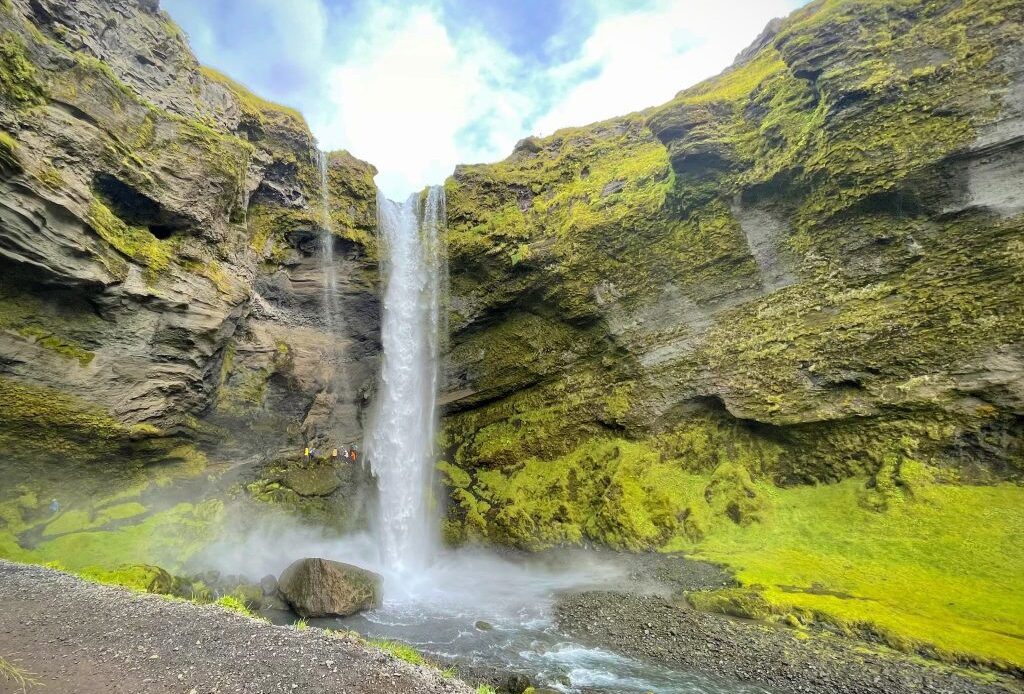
802 270
324 588
160 243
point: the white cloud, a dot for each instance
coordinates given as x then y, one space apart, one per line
273 47
387 81
642 59
406 93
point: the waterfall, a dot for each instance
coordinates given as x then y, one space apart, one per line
401 437
327 266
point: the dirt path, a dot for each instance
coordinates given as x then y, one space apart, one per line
81 638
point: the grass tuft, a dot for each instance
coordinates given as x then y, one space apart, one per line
16 675
402 651
230 602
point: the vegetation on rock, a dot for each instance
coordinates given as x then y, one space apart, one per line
784 295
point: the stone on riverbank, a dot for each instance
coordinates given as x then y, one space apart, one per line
325 588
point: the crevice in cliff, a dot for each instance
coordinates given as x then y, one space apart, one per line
138 209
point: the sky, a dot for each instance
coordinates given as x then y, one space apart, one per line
418 86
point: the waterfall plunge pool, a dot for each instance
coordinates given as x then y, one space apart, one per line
478 611
440 609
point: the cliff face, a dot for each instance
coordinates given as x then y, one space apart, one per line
804 270
160 244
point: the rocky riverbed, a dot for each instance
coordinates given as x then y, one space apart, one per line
657 629
82 638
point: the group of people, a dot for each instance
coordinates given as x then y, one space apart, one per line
351 454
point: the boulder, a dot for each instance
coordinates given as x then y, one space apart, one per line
316 480
325 588
268 584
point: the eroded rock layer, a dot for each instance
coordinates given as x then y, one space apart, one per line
804 270
160 250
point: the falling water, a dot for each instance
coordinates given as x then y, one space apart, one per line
401 441
330 271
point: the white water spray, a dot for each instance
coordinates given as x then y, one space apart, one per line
402 433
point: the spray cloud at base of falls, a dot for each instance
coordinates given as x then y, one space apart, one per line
401 437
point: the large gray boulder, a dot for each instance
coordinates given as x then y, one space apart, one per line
325 588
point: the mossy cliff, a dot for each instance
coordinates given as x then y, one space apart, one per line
161 290
161 238
667 327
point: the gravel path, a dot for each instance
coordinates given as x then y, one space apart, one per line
649 627
81 638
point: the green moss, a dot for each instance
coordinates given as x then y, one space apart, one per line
56 344
55 421
166 538
738 83
746 603
270 227
523 349
9 160
19 82
230 602
932 575
255 106
352 201
547 206
243 389
79 520
616 492
139 577
732 492
136 243
213 271
922 318
50 177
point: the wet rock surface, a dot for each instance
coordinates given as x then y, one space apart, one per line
82 638
653 628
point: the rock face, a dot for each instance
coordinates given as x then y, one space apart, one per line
805 269
160 249
324 588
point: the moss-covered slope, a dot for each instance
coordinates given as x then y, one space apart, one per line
805 270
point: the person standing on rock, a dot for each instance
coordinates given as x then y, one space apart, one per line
54 506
